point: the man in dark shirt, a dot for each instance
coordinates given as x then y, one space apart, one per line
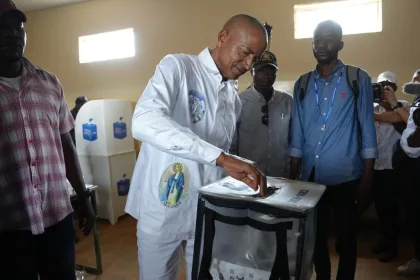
80 101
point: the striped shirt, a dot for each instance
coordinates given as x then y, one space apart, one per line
33 188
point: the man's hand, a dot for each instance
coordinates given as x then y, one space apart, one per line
245 171
389 95
364 196
86 215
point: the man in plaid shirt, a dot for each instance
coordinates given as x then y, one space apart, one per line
37 232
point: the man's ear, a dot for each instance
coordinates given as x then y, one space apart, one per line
222 37
341 46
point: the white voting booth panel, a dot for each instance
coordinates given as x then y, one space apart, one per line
241 235
106 152
103 128
113 176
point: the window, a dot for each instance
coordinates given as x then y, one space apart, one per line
354 16
107 46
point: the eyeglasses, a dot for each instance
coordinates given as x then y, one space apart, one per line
265 119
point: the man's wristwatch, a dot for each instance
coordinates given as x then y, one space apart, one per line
399 105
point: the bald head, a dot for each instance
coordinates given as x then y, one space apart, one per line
244 21
241 41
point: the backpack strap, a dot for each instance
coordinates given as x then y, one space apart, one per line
353 81
303 84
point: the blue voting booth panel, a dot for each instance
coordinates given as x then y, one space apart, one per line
90 131
120 129
123 186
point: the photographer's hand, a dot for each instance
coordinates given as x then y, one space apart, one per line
389 95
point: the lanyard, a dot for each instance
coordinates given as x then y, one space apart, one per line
333 97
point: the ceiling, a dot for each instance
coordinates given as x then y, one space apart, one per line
33 5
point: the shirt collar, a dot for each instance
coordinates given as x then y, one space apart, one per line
339 65
28 70
208 62
257 94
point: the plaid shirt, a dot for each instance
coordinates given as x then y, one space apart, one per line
33 188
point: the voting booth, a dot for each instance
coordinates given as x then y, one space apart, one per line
242 236
106 152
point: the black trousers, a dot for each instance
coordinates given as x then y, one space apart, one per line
51 255
386 189
410 179
341 199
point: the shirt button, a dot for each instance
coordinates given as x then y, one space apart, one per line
33 163
269 144
325 98
324 114
317 156
326 84
30 141
319 143
269 131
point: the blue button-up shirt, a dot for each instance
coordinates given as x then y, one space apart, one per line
335 151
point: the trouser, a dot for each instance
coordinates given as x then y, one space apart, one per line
411 182
387 203
159 257
341 199
50 255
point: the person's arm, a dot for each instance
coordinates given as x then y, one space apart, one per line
153 124
402 112
410 137
369 151
388 117
296 135
71 160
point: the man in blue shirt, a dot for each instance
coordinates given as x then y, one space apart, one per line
325 135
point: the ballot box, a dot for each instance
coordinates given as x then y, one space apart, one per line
243 236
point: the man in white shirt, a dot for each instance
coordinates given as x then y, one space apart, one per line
386 184
266 113
186 119
410 143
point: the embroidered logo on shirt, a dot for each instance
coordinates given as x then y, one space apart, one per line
197 105
343 95
173 186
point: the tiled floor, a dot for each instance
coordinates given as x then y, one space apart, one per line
119 254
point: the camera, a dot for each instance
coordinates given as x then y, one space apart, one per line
377 92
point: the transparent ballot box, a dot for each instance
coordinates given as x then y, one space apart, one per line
241 235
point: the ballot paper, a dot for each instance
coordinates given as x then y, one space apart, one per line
230 185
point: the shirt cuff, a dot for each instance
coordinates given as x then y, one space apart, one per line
297 153
211 153
370 153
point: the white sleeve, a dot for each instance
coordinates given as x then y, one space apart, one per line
152 122
411 127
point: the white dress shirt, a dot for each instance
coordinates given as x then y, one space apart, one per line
186 115
267 145
411 127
